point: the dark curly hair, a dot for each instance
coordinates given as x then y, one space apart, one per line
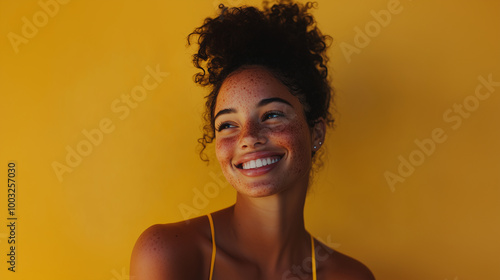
283 38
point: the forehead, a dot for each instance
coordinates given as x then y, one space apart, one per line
247 86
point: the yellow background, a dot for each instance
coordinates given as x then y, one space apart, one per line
442 222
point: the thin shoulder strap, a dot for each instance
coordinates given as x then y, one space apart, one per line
212 262
313 258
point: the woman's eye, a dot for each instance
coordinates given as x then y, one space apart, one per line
223 126
272 115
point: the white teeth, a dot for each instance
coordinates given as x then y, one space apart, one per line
260 162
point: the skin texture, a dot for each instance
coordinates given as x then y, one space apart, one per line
248 133
262 236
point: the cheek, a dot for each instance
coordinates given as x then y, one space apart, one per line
295 137
224 148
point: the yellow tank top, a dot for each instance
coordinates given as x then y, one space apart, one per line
214 249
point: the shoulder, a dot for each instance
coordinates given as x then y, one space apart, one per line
352 269
335 265
171 251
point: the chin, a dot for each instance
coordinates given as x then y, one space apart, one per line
257 189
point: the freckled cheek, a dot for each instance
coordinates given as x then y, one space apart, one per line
295 139
293 136
224 148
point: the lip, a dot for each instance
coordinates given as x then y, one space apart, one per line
254 156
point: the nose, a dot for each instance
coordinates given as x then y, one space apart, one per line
252 135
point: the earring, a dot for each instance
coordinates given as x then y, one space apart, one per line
315 147
320 143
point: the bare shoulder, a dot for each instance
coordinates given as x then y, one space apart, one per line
170 251
335 265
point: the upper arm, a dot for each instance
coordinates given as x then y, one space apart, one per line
162 253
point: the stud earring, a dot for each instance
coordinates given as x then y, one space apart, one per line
315 147
320 143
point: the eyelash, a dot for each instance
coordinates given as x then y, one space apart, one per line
222 126
267 114
265 117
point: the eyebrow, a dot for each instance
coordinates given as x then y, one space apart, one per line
263 102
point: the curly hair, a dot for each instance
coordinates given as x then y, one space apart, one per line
283 38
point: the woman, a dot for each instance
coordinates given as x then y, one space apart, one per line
268 113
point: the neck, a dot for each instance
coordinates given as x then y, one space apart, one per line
270 230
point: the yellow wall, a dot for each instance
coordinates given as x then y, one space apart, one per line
401 84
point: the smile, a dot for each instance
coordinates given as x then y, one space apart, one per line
252 164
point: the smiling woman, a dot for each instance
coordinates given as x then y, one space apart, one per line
263 121
267 111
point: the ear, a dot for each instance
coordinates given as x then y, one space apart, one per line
318 132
